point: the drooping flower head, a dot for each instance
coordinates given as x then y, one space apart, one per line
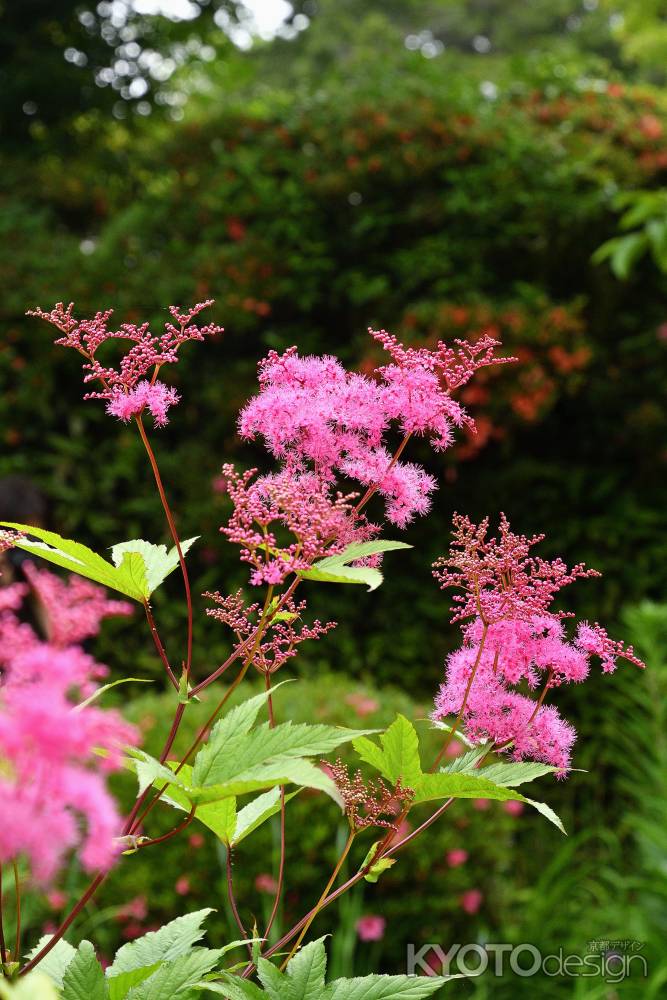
512 638
133 386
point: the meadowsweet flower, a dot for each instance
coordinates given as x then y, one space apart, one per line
512 637
133 386
314 415
74 608
369 803
50 778
266 883
287 521
284 630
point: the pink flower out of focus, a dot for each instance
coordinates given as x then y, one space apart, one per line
513 808
371 928
52 782
182 885
471 901
266 883
456 857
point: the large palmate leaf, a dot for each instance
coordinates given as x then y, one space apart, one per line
137 567
337 569
397 757
304 979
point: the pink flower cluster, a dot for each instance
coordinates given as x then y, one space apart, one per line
74 608
285 522
282 636
315 415
512 638
133 386
50 776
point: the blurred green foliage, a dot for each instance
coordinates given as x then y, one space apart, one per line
443 207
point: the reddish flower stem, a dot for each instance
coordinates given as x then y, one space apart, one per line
281 864
158 644
174 534
3 946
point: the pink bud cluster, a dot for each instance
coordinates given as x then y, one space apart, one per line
133 386
281 636
285 522
52 776
315 415
512 638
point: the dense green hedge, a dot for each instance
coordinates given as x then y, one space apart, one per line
435 211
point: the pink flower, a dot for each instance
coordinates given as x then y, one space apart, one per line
471 900
155 397
481 805
133 386
316 416
57 900
196 840
52 781
182 885
513 808
362 704
456 857
266 883
511 637
371 927
135 909
75 608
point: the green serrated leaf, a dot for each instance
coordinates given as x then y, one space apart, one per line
120 985
84 976
274 982
397 756
54 965
233 987
171 941
157 561
306 971
475 786
77 558
386 987
257 812
176 978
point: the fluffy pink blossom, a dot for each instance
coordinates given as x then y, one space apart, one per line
315 415
156 398
371 927
512 638
51 777
287 521
74 608
133 386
